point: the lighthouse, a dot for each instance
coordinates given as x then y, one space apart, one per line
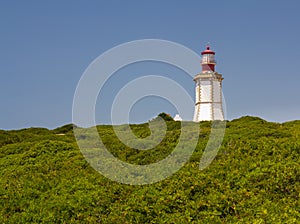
208 103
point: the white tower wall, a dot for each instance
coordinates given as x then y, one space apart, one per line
208 104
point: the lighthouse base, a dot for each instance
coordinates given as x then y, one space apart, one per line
208 112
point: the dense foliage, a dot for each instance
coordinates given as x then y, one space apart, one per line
255 178
166 117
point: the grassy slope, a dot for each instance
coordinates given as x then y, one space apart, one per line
255 178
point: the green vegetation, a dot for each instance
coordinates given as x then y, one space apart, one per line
255 178
166 117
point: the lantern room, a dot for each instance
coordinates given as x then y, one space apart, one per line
208 60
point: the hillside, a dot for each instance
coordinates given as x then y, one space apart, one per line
255 178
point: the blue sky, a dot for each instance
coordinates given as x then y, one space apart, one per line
45 46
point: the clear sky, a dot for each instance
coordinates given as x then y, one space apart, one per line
45 46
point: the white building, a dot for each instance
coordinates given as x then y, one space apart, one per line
208 104
177 118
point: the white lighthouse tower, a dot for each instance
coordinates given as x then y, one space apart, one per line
208 105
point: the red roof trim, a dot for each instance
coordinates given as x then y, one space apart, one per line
207 52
